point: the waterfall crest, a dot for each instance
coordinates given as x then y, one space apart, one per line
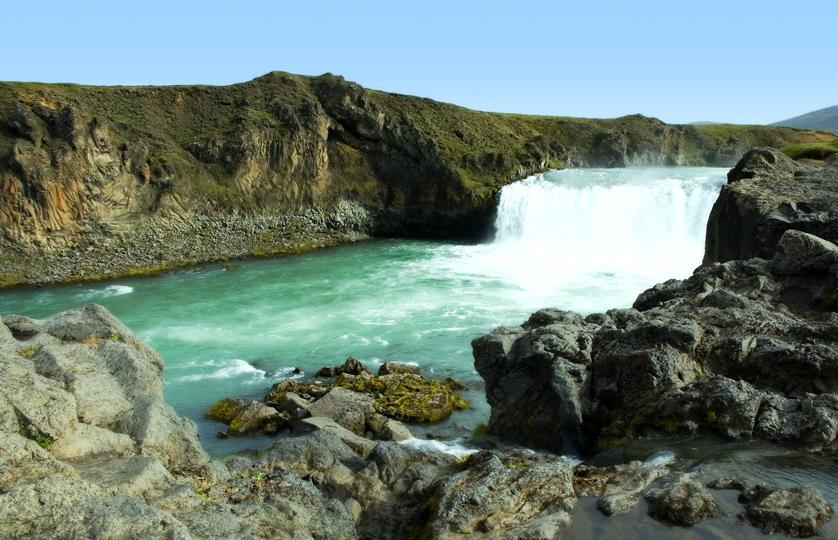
640 221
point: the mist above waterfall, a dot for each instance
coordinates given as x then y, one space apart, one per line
588 239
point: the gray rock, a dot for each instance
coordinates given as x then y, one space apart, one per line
163 434
295 405
767 194
535 382
682 502
801 253
799 511
387 429
84 440
345 407
320 423
736 349
533 499
623 490
388 368
256 416
138 476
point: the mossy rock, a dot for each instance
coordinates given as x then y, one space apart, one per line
226 410
408 397
305 390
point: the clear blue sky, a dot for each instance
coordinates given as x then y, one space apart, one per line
737 61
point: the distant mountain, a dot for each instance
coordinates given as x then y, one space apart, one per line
705 123
823 119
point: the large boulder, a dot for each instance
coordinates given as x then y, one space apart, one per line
767 194
347 408
684 501
518 499
536 380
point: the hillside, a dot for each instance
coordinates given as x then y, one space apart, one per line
822 119
105 181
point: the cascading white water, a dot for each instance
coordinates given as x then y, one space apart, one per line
590 239
621 220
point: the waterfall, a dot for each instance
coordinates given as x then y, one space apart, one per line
642 221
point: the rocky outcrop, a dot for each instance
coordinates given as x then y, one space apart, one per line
88 449
105 181
355 400
741 349
768 193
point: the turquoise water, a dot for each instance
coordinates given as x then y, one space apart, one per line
586 240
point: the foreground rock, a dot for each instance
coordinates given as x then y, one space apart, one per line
798 511
89 449
684 501
77 462
768 193
741 349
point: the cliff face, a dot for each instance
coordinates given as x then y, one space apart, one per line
105 181
767 193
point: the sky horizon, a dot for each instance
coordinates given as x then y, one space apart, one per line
740 62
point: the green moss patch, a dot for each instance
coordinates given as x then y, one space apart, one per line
406 397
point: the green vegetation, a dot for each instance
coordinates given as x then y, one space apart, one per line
409 398
225 410
28 352
818 150
44 442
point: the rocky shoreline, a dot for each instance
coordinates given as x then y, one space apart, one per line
90 450
155 248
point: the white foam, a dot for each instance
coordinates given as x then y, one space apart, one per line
659 459
453 447
229 369
110 290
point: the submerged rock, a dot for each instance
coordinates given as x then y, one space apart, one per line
625 485
799 511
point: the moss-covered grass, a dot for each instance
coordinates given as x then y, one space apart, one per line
409 398
818 150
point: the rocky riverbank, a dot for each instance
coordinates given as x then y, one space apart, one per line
111 181
89 449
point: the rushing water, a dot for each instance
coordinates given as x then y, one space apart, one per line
586 240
